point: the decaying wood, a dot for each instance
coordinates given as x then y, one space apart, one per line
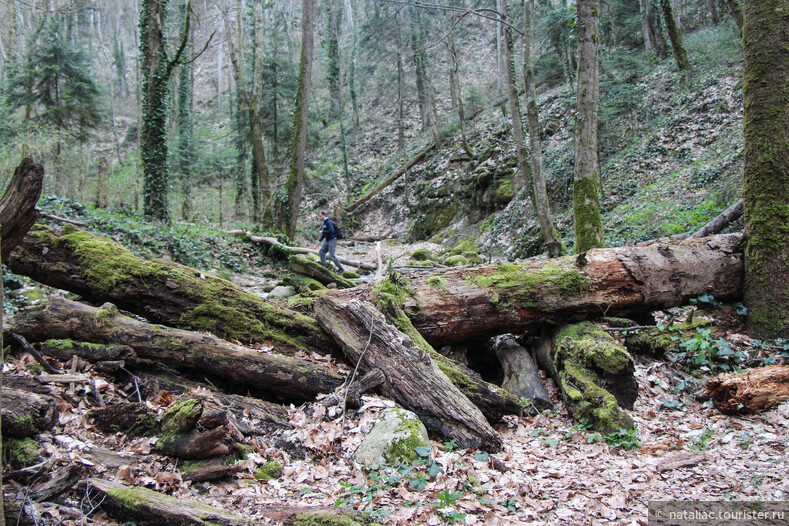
521 377
727 217
129 418
18 205
100 270
272 241
750 392
281 376
146 506
412 379
195 445
214 470
26 347
297 516
26 414
65 378
305 267
61 481
471 303
594 373
65 350
352 394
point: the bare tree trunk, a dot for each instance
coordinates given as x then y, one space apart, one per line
675 35
586 194
644 5
454 81
295 181
734 7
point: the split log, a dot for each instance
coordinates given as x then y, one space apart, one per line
25 414
279 376
305 267
100 270
594 373
750 392
274 242
412 379
18 205
521 377
472 303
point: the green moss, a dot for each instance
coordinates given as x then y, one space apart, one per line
422 254
350 274
181 417
62 345
392 291
656 342
438 282
464 247
107 311
402 450
586 211
270 470
525 280
324 518
456 261
20 451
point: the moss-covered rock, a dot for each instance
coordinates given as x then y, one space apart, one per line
421 254
20 452
456 261
270 470
393 439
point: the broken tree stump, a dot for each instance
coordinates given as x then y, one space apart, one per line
471 303
750 392
279 376
412 379
101 270
25 414
594 373
521 377
18 205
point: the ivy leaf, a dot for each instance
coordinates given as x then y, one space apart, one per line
422 451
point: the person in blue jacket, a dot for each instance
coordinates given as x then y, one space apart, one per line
329 238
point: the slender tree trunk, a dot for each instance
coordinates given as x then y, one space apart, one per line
586 198
765 192
644 6
400 90
455 82
101 183
551 236
675 35
333 75
352 12
295 181
185 148
734 7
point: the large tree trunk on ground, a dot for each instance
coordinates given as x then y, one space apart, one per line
100 270
471 303
18 205
751 391
279 376
412 379
594 374
521 377
316 271
273 242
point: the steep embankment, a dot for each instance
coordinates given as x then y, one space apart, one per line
671 159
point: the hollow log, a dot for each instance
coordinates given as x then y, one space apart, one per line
412 379
25 414
101 270
521 377
750 392
471 303
594 373
18 205
278 376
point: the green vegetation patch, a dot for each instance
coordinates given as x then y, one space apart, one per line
555 277
270 470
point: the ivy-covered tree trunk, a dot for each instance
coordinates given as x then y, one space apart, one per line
586 198
334 16
293 187
675 35
156 69
765 189
185 148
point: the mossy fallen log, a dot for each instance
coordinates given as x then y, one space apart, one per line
276 376
25 414
311 269
471 303
101 270
594 374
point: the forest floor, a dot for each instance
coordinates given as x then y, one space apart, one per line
552 470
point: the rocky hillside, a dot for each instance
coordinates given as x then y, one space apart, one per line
671 159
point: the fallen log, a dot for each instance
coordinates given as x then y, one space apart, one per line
594 373
18 205
372 239
100 270
727 217
311 269
261 372
195 445
130 419
750 392
471 303
25 414
213 469
65 350
412 379
274 242
521 377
